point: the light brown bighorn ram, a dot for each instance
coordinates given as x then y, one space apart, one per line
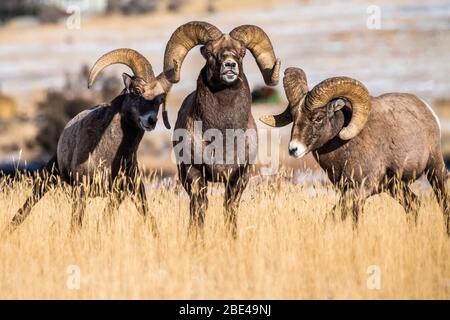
222 101
367 144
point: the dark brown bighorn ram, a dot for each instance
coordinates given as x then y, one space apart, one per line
365 144
221 102
105 139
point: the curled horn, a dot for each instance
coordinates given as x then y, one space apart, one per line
349 88
165 86
296 88
131 58
295 85
257 41
184 39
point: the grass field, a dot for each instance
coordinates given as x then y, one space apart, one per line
285 248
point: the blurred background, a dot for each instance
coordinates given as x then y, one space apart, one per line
48 46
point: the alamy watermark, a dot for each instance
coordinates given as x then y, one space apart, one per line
374 278
227 147
374 17
73 281
74 19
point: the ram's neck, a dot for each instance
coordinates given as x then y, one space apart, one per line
127 138
222 107
131 137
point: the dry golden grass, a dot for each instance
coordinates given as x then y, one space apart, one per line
284 248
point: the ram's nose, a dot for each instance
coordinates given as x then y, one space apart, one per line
297 149
229 64
292 151
148 121
152 118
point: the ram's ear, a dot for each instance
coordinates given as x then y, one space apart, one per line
335 105
243 51
127 81
203 52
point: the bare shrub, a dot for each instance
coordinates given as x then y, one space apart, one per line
265 94
59 106
55 111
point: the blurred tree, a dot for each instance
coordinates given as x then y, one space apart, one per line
45 12
51 14
55 111
174 5
113 6
59 106
211 7
8 106
13 8
131 7
265 94
111 87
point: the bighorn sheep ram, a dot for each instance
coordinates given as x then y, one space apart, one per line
365 144
105 139
221 102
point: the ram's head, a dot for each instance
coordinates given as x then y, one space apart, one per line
336 106
144 93
224 53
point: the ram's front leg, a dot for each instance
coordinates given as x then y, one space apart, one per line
115 198
352 201
234 188
140 200
79 196
197 188
198 194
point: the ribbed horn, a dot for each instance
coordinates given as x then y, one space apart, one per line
184 39
165 85
349 88
257 41
295 87
140 66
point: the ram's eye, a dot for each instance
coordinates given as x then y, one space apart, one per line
318 120
137 91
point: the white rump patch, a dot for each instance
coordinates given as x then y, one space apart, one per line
433 113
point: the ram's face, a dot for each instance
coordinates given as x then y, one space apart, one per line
223 60
312 129
142 103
